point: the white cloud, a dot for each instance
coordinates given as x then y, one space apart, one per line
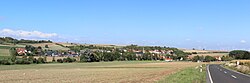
243 41
27 34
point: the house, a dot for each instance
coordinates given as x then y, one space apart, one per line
51 53
72 53
48 53
168 59
155 52
218 58
21 51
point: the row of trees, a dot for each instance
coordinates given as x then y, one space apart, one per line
203 58
116 56
16 41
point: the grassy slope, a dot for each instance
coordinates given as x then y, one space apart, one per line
188 75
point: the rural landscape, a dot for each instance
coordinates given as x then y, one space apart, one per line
124 41
47 61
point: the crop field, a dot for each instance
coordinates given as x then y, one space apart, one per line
211 54
105 72
201 51
52 46
242 61
4 50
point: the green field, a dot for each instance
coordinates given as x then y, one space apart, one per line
4 50
189 75
130 71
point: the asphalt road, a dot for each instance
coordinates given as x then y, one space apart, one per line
218 74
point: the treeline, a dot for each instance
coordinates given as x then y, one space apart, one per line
16 41
117 56
127 53
129 47
210 58
239 54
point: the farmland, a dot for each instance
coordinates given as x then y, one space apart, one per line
4 49
52 46
129 71
210 54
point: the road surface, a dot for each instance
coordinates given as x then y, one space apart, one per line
218 74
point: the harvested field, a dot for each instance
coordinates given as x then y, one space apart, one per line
106 72
52 46
210 54
242 61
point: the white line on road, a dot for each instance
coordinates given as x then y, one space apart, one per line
209 75
233 76
236 72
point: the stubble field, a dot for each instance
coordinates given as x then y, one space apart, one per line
105 72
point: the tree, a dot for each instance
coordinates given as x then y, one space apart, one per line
239 54
39 50
209 58
198 58
146 56
30 48
180 54
226 58
13 54
46 46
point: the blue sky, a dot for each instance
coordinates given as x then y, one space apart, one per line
210 24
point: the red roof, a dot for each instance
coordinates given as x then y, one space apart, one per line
21 51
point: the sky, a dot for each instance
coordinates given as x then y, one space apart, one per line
209 24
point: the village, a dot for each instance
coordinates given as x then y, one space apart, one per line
110 53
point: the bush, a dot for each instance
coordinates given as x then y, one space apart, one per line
53 59
46 46
59 60
23 61
40 60
6 62
69 60
31 58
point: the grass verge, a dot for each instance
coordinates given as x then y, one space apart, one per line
188 75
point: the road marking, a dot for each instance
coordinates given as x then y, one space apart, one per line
209 75
236 72
233 76
225 72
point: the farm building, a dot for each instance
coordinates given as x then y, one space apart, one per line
21 51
